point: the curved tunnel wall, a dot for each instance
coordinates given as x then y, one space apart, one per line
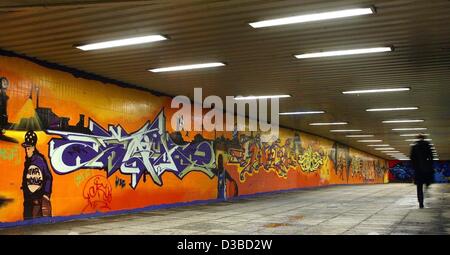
102 148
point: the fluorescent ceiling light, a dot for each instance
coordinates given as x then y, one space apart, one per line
301 113
359 135
328 123
402 121
345 130
391 109
412 134
374 91
260 97
378 145
343 52
369 141
415 140
408 129
392 152
312 17
384 148
122 42
186 67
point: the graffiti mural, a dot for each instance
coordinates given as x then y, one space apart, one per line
98 194
72 144
402 171
342 161
311 160
149 150
252 155
441 171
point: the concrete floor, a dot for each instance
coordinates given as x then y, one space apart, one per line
352 210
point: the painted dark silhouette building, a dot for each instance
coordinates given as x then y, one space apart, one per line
45 119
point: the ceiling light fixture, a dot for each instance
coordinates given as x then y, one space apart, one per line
378 145
369 141
313 17
187 67
345 130
384 148
412 134
260 97
408 129
122 42
343 52
301 113
415 140
361 136
375 91
392 109
402 121
328 123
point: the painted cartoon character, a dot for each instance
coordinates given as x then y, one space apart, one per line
3 103
36 181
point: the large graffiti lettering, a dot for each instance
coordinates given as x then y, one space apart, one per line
311 160
367 170
150 150
356 166
380 168
252 155
342 161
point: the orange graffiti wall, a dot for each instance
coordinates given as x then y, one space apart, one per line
108 148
